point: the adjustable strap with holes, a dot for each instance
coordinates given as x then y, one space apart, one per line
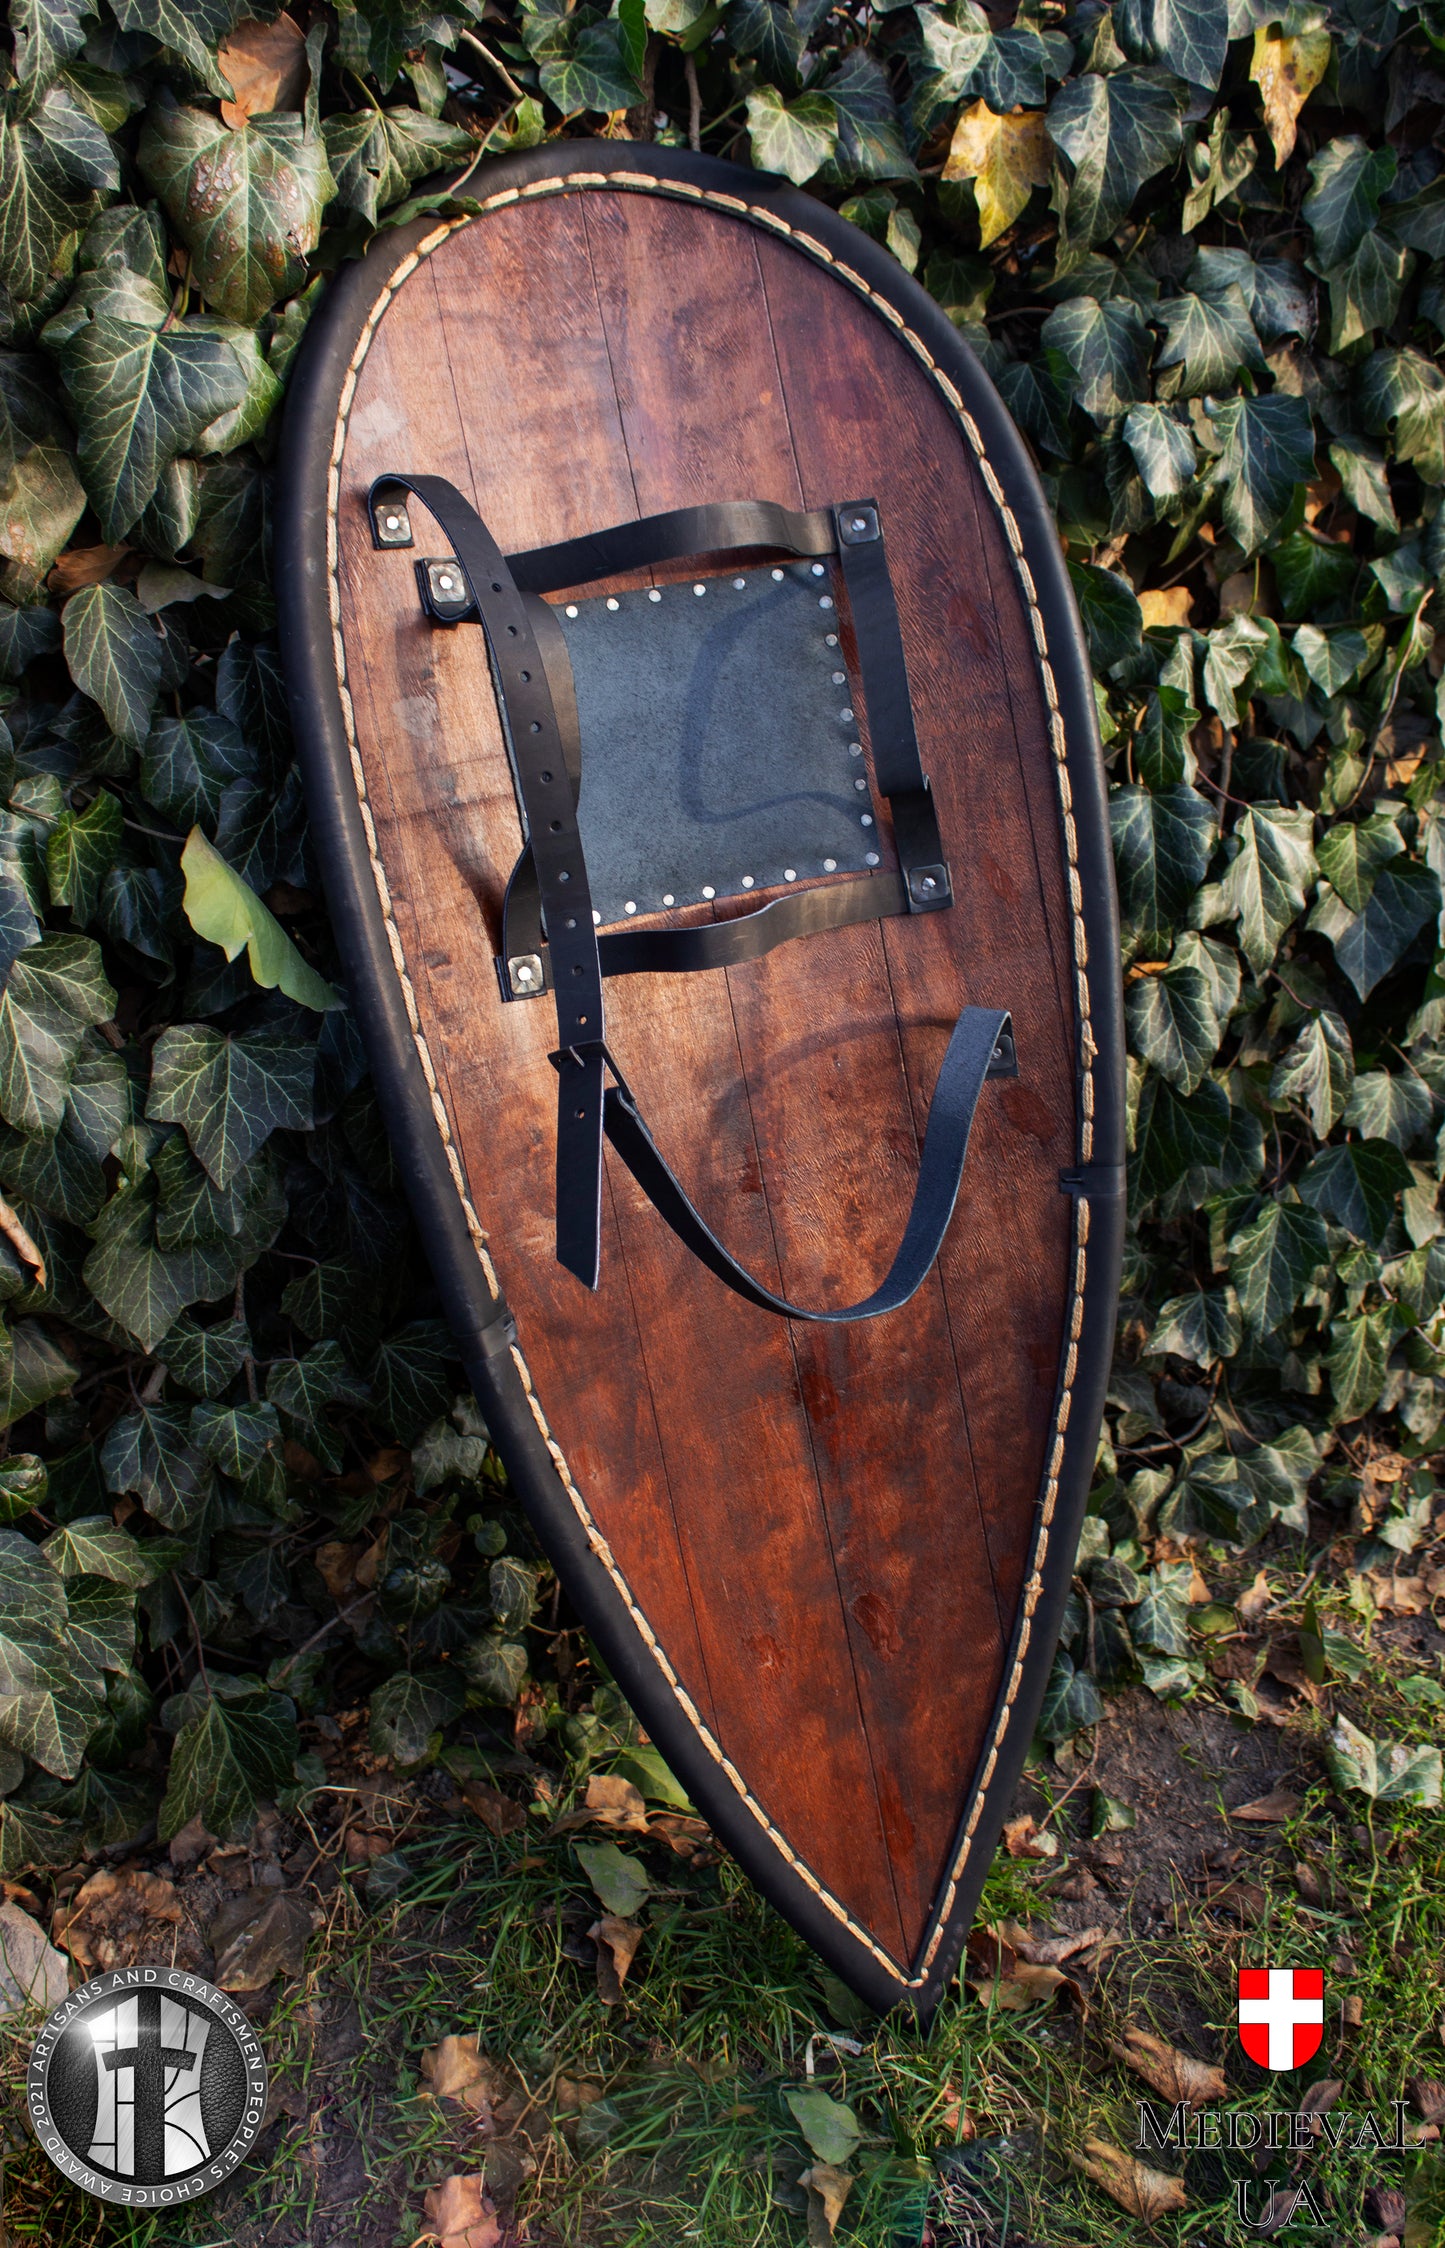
542 738
535 692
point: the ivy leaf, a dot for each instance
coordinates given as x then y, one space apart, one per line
1117 132
1356 1185
52 1718
408 1709
41 497
376 155
206 1360
229 1092
188 763
870 138
1390 1105
1038 393
1162 448
235 1438
56 988
1405 393
411 1377
1287 65
1404 1775
149 1452
95 1546
246 203
1209 339
792 138
1159 1624
596 74
236 1747
1071 1701
1365 290
770 32
191 28
1272 1261
1317 1070
1344 202
143 1286
140 395
1107 345
1361 468
38 207
1357 1362
1404 899
1162 844
80 852
1190 37
1203 1327
1331 659
100 1624
1109 609
1267 446
1178 1137
1352 852
223 909
1266 880
38 1370
1173 1024
113 655
48 34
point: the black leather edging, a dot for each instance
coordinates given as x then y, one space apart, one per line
316 382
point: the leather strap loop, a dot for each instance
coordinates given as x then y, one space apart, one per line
972 1047
677 536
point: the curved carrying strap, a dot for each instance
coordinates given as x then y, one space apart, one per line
976 1040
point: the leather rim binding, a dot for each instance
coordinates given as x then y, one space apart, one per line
450 1230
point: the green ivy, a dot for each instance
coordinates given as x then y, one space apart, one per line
1195 243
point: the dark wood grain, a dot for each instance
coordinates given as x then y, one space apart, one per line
826 1528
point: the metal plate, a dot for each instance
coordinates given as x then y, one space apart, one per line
720 752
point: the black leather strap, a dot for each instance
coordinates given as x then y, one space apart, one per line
889 704
977 1038
545 752
677 536
710 944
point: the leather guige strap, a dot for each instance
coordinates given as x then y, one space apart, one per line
543 760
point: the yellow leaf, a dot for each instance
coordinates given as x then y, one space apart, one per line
827 2188
1167 605
1287 72
226 911
1005 157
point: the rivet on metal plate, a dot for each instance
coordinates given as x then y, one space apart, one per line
524 974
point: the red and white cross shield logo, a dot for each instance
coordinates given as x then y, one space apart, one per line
1281 2014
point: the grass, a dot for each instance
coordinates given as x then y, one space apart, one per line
692 2139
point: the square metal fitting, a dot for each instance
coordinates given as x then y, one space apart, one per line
391 523
929 886
524 975
858 525
444 592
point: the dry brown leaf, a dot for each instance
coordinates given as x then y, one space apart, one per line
1173 2075
1052 1951
265 65
455 2070
953 2117
1245 1899
1400 1596
571 2094
1428 2097
617 1941
85 565
1146 2194
1165 605
610 1801
1238 593
460 2213
690 1838
259 1935
1352 2010
1251 1605
32 1972
372 1563
14 1231
1273 1809
827 2188
125 1919
193 1842
1022 1839
336 1566
503 1814
1287 72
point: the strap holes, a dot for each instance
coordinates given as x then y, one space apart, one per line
526 675
580 1114
495 587
577 965
556 826
512 631
546 776
535 727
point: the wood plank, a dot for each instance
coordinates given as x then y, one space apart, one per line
984 743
